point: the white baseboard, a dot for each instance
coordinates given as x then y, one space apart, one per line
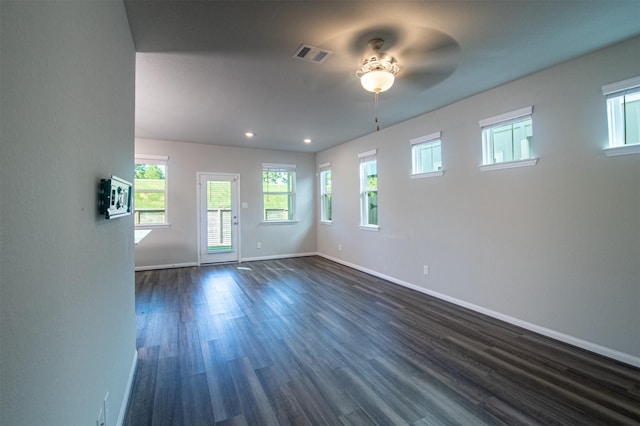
245 259
127 390
584 344
278 256
168 266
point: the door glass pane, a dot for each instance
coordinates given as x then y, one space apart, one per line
219 219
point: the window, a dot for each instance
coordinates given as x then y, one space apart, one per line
150 190
278 192
623 111
426 155
325 192
507 138
368 189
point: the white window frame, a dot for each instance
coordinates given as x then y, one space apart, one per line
273 167
363 159
434 140
323 169
158 160
487 124
616 123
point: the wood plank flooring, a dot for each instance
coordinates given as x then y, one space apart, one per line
308 341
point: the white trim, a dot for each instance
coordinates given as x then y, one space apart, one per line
375 228
167 266
512 115
162 159
584 344
620 86
615 151
278 222
368 153
153 226
127 389
326 222
426 175
509 164
279 167
427 138
278 256
324 166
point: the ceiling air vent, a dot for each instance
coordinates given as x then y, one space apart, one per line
312 54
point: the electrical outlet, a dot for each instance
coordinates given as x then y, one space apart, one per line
339 247
259 245
426 270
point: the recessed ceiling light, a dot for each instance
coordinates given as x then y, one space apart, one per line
249 134
307 140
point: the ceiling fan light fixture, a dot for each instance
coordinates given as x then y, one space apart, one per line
377 81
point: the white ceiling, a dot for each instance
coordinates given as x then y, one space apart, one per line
208 71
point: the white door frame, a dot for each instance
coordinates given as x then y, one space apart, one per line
236 207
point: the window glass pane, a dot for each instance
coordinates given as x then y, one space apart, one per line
326 207
368 192
274 181
371 174
427 157
632 118
615 112
507 141
278 207
327 177
372 207
325 195
149 207
150 194
502 143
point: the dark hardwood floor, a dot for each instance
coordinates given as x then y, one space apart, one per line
309 341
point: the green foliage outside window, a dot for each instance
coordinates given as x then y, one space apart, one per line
150 186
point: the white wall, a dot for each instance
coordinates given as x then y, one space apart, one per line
556 245
177 245
67 281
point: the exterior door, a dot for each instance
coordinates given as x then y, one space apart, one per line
218 218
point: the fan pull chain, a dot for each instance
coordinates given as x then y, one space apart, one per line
376 102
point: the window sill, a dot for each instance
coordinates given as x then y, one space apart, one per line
427 175
279 222
615 151
153 226
374 228
326 222
509 164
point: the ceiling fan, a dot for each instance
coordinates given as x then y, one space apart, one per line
413 58
377 72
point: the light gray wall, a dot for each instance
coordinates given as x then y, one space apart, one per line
556 245
67 281
177 244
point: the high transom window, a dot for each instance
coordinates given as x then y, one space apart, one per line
507 137
426 155
623 113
